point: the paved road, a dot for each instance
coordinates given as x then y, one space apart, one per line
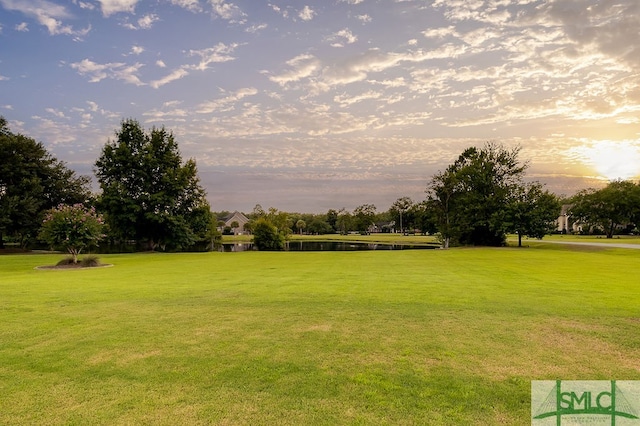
612 245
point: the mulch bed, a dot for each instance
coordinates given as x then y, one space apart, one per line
72 266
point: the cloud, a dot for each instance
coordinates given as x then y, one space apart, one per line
346 100
343 35
364 18
306 14
109 7
227 11
282 12
611 27
117 71
84 5
144 23
441 32
169 111
227 102
47 14
216 54
22 27
302 66
358 68
255 28
191 5
56 113
174 75
136 50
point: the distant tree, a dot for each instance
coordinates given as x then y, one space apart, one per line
533 211
472 196
72 228
148 194
332 219
441 196
344 222
400 212
301 224
222 215
248 227
235 225
319 227
266 236
210 231
616 205
364 216
280 220
257 212
31 182
424 218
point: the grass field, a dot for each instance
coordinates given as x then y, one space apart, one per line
390 337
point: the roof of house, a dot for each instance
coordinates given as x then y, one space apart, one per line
236 217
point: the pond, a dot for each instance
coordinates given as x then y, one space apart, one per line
331 246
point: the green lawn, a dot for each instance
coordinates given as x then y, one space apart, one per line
390 337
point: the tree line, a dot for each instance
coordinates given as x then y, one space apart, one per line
151 197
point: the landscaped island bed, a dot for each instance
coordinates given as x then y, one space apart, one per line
404 337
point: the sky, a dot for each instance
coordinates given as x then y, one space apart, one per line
314 105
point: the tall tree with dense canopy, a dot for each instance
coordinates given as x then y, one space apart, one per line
364 216
616 205
472 196
148 194
31 182
533 211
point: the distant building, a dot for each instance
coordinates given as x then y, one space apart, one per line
238 217
563 220
565 224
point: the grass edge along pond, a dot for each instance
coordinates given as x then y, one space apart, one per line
406 337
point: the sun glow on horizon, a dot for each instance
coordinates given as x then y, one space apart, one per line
612 159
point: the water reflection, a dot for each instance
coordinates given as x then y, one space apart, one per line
330 246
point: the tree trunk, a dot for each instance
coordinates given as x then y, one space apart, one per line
610 230
1 241
519 239
74 255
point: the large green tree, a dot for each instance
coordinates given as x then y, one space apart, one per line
31 182
533 211
266 236
471 197
615 206
148 193
364 216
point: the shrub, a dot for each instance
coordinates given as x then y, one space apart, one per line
90 261
66 261
266 236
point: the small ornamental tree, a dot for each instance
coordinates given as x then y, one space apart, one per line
72 228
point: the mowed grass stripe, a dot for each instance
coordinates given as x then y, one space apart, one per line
404 337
